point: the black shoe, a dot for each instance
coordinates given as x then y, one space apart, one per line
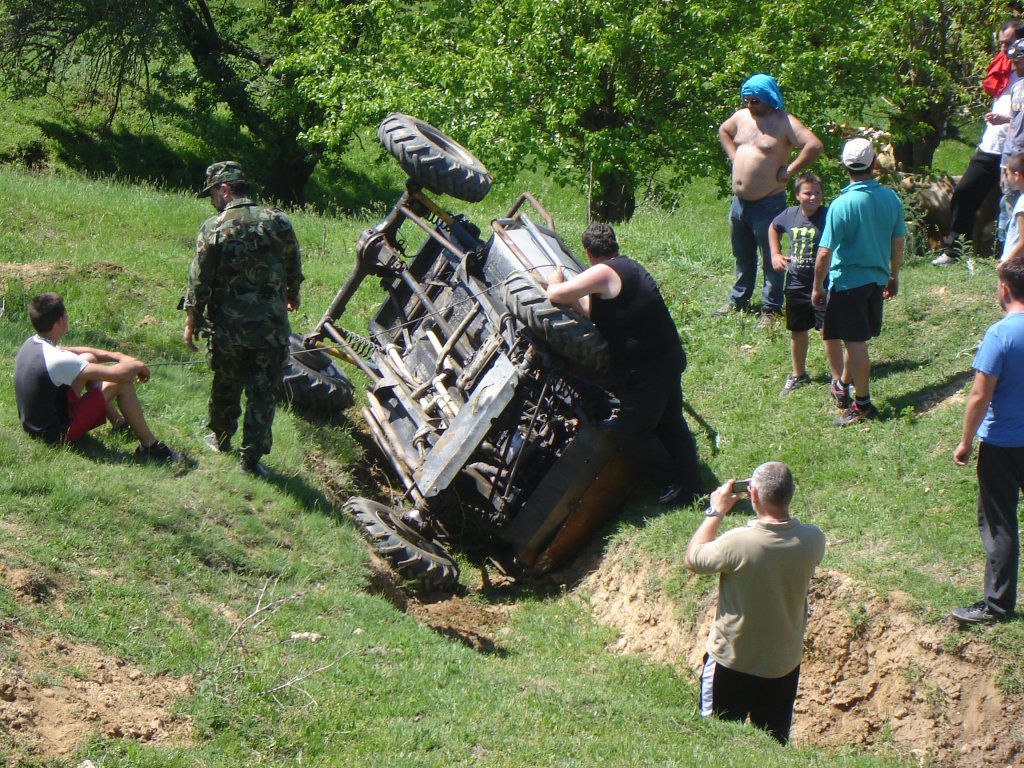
677 494
856 413
978 613
255 469
217 443
841 395
157 452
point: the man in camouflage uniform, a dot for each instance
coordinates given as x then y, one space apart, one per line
244 280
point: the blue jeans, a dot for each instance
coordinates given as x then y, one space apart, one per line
748 230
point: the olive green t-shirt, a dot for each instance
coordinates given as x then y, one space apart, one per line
762 594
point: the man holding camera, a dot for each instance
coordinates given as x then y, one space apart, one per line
752 665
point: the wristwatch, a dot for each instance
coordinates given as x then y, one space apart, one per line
710 512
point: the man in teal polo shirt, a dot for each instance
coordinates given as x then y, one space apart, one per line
861 252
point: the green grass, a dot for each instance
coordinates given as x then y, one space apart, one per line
159 566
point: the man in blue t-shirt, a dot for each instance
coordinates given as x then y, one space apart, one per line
995 413
861 252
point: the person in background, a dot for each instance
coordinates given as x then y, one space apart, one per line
995 415
759 140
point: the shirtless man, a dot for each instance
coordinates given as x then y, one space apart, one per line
759 140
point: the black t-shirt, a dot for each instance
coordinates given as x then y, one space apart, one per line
636 323
804 235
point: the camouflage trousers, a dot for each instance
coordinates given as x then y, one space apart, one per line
257 372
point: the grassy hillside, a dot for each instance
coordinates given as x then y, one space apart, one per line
252 601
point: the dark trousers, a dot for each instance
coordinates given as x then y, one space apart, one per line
1000 478
257 372
980 178
731 695
651 428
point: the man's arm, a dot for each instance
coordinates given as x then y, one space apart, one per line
722 500
895 264
127 369
810 147
600 279
977 405
727 136
821 266
201 273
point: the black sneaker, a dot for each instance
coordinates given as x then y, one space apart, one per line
217 443
978 613
841 395
255 469
794 382
856 413
157 452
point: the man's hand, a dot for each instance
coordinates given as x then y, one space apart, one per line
558 276
819 296
962 453
722 498
293 304
782 174
995 118
142 374
779 261
890 291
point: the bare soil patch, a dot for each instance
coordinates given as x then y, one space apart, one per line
55 694
872 673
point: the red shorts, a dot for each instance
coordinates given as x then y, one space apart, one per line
86 412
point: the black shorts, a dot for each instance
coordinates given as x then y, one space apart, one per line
801 314
854 315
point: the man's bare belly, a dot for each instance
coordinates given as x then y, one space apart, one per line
755 175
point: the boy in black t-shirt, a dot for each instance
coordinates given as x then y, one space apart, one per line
803 224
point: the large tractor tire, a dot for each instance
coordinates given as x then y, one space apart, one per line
565 333
312 380
410 554
432 159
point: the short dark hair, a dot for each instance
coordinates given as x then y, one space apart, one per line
805 178
1013 23
774 483
599 240
1011 274
45 310
1015 163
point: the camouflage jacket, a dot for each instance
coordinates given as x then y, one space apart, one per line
247 266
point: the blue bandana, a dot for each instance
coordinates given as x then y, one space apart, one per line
764 89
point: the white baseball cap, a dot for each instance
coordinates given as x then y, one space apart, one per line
858 155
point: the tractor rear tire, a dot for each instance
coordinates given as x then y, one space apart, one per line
571 337
440 164
412 555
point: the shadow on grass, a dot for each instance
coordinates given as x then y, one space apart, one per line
90 447
925 399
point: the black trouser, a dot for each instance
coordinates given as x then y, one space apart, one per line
731 695
1000 478
651 428
980 178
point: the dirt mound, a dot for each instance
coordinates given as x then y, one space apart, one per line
871 674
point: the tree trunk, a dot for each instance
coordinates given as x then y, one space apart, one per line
613 200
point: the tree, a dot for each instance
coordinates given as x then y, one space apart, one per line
121 46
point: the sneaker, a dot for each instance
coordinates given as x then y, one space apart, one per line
856 413
216 443
157 452
794 382
255 469
978 613
677 494
768 319
841 394
944 259
726 309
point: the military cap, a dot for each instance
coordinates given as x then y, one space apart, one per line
223 172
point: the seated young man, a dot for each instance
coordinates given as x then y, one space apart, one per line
63 392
